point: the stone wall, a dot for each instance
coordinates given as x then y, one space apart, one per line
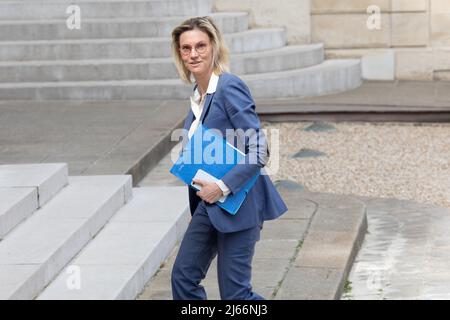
411 43
440 38
294 15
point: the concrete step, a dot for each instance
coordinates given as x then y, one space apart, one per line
329 77
15 10
285 58
281 59
247 41
326 256
26 187
129 249
47 178
15 30
35 252
16 204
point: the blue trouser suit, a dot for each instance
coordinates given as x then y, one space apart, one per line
201 243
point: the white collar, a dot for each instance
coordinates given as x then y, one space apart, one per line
212 86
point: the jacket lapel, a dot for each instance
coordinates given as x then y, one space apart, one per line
208 100
189 119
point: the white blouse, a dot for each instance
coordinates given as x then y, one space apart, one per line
197 107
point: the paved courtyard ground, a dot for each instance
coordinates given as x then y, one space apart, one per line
405 254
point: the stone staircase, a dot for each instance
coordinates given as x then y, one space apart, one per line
51 223
122 51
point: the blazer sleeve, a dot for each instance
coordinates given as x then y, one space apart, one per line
240 108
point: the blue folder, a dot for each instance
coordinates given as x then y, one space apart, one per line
209 151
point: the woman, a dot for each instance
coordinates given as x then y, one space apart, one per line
221 101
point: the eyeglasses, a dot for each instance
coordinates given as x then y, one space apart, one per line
200 48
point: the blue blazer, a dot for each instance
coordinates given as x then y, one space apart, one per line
232 107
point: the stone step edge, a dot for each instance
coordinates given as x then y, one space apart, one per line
327 64
136 283
121 19
48 269
47 188
306 265
107 61
44 192
19 210
248 32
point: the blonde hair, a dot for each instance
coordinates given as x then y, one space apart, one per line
220 51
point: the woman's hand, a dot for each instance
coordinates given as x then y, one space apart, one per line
210 191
